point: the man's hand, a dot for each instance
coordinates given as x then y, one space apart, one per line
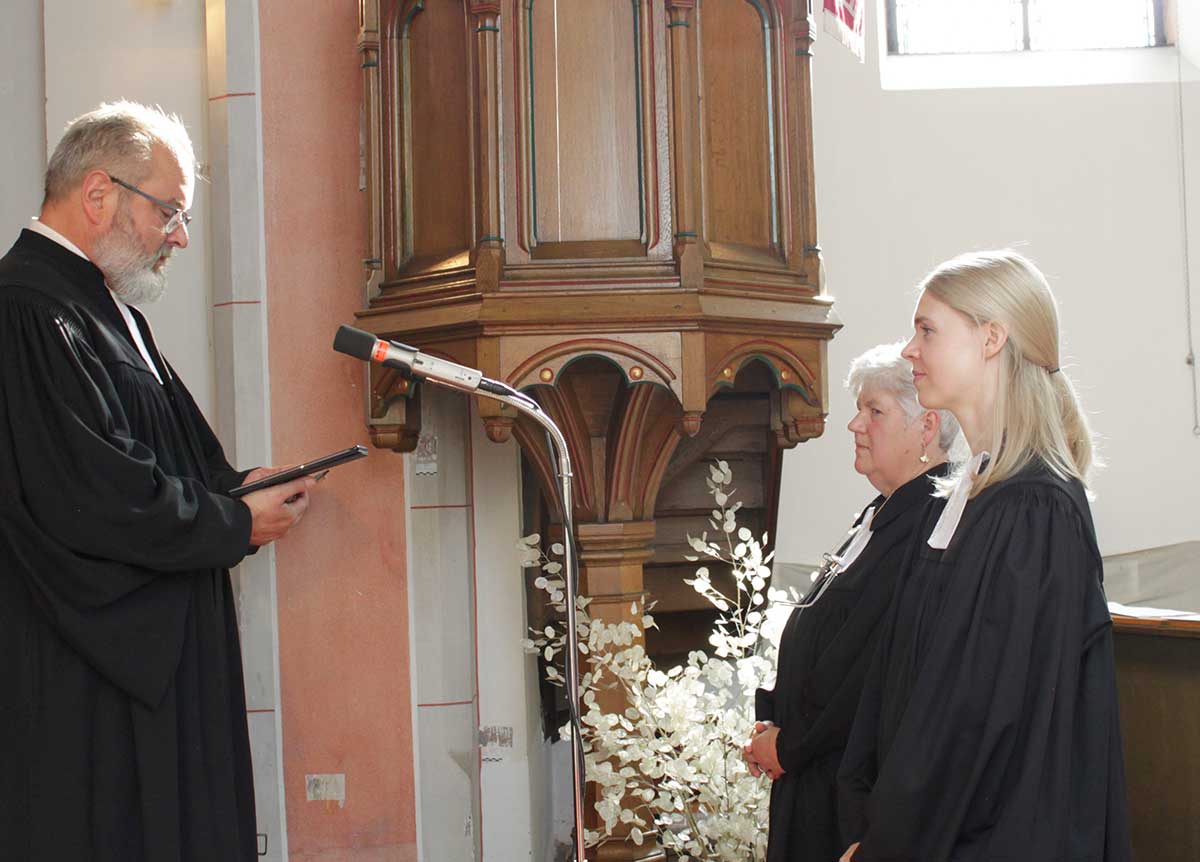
848 856
762 749
276 510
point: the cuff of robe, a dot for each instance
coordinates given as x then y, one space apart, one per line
764 705
852 818
223 483
244 523
785 742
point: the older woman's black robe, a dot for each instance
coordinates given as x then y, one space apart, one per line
824 654
122 711
988 727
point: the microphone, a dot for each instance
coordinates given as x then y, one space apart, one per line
365 346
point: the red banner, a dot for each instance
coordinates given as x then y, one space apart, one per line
844 19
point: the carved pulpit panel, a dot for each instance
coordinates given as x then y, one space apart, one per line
428 165
741 157
584 133
436 227
584 90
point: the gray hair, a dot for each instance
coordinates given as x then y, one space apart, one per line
883 368
119 137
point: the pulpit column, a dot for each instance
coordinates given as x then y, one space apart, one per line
610 574
611 557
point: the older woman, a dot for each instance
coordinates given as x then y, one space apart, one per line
829 639
988 729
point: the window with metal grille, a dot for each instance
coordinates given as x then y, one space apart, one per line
983 26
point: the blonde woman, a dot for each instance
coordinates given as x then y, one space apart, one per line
988 727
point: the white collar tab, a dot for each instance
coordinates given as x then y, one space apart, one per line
947 524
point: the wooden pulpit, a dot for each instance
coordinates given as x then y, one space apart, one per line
608 204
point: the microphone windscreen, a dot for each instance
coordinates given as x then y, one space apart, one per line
354 342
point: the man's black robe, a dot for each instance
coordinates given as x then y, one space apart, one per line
122 720
824 654
988 727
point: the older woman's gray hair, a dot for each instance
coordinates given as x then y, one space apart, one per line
117 137
883 368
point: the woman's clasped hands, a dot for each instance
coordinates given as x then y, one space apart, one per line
760 751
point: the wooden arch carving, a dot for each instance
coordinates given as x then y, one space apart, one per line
790 370
620 436
637 365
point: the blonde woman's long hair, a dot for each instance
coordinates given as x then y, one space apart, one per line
1037 413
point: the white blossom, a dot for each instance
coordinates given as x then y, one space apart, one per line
669 767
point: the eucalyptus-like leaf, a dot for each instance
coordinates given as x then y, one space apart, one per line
673 755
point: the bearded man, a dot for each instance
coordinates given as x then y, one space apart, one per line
122 710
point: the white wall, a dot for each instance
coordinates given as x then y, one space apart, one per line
150 52
1087 181
516 779
22 94
467 600
92 52
442 599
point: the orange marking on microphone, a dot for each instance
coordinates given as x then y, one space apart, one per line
380 351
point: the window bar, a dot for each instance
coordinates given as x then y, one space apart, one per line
893 36
1160 23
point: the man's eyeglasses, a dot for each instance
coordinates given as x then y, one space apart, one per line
174 215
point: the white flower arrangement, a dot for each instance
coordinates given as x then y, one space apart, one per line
671 765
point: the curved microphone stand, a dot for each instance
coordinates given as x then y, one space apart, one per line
531 408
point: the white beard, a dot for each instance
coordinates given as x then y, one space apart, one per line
129 271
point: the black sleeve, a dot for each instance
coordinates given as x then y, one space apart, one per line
82 477
987 728
764 704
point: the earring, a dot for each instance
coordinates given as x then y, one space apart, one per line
924 456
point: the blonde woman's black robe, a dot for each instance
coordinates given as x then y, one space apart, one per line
988 727
122 710
824 654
